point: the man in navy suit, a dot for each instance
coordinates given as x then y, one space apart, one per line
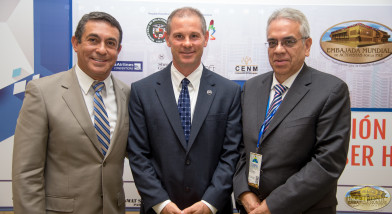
302 150
182 166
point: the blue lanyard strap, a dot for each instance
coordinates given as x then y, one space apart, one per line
261 133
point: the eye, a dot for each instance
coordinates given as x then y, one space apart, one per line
111 43
272 43
289 42
92 40
178 36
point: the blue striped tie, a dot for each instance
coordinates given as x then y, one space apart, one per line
279 90
101 121
184 108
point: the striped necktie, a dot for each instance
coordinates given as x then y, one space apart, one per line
279 90
184 108
101 121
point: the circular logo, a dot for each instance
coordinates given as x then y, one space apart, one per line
367 198
156 29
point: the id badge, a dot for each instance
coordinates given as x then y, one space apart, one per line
254 169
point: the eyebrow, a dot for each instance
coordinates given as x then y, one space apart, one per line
96 35
287 37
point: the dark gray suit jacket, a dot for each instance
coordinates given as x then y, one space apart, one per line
305 147
163 165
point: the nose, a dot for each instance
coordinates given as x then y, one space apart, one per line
280 48
101 48
187 43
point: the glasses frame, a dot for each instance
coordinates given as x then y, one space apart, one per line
285 42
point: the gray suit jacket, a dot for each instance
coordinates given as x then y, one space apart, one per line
305 147
57 163
164 166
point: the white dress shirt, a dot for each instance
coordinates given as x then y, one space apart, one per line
108 96
193 88
288 82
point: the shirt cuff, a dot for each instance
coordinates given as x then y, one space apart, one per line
159 207
212 208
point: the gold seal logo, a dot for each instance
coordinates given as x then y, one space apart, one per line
367 198
357 42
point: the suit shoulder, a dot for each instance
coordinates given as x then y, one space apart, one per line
322 77
121 83
49 81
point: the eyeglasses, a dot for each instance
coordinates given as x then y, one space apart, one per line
287 42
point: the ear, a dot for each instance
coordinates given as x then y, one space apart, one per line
206 38
166 36
119 49
75 43
308 44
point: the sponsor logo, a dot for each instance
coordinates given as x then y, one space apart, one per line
211 30
367 198
357 42
246 67
156 29
128 66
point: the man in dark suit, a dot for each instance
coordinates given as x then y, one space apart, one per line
185 163
60 164
294 150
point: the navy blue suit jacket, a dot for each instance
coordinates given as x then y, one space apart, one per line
163 165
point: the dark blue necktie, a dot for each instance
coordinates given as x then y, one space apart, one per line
184 108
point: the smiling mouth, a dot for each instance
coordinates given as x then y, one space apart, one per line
98 60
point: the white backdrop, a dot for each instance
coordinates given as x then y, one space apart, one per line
240 36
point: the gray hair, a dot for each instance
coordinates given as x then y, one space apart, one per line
186 11
294 15
97 16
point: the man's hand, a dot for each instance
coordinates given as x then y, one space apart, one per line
250 201
262 209
171 208
197 208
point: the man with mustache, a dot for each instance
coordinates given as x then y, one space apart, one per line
296 128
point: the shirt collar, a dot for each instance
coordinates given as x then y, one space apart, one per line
194 77
85 81
288 82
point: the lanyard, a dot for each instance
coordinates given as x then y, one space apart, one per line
261 133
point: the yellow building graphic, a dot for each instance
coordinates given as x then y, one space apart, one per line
359 35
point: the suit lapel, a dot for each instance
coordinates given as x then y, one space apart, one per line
121 107
165 93
205 96
75 102
264 90
293 97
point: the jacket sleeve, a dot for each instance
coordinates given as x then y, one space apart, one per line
29 154
140 155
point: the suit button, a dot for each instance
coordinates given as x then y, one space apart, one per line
188 162
187 189
104 164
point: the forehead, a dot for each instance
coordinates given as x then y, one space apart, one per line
100 28
186 22
282 27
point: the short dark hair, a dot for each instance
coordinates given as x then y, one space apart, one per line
97 16
186 11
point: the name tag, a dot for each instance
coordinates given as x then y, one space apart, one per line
254 169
